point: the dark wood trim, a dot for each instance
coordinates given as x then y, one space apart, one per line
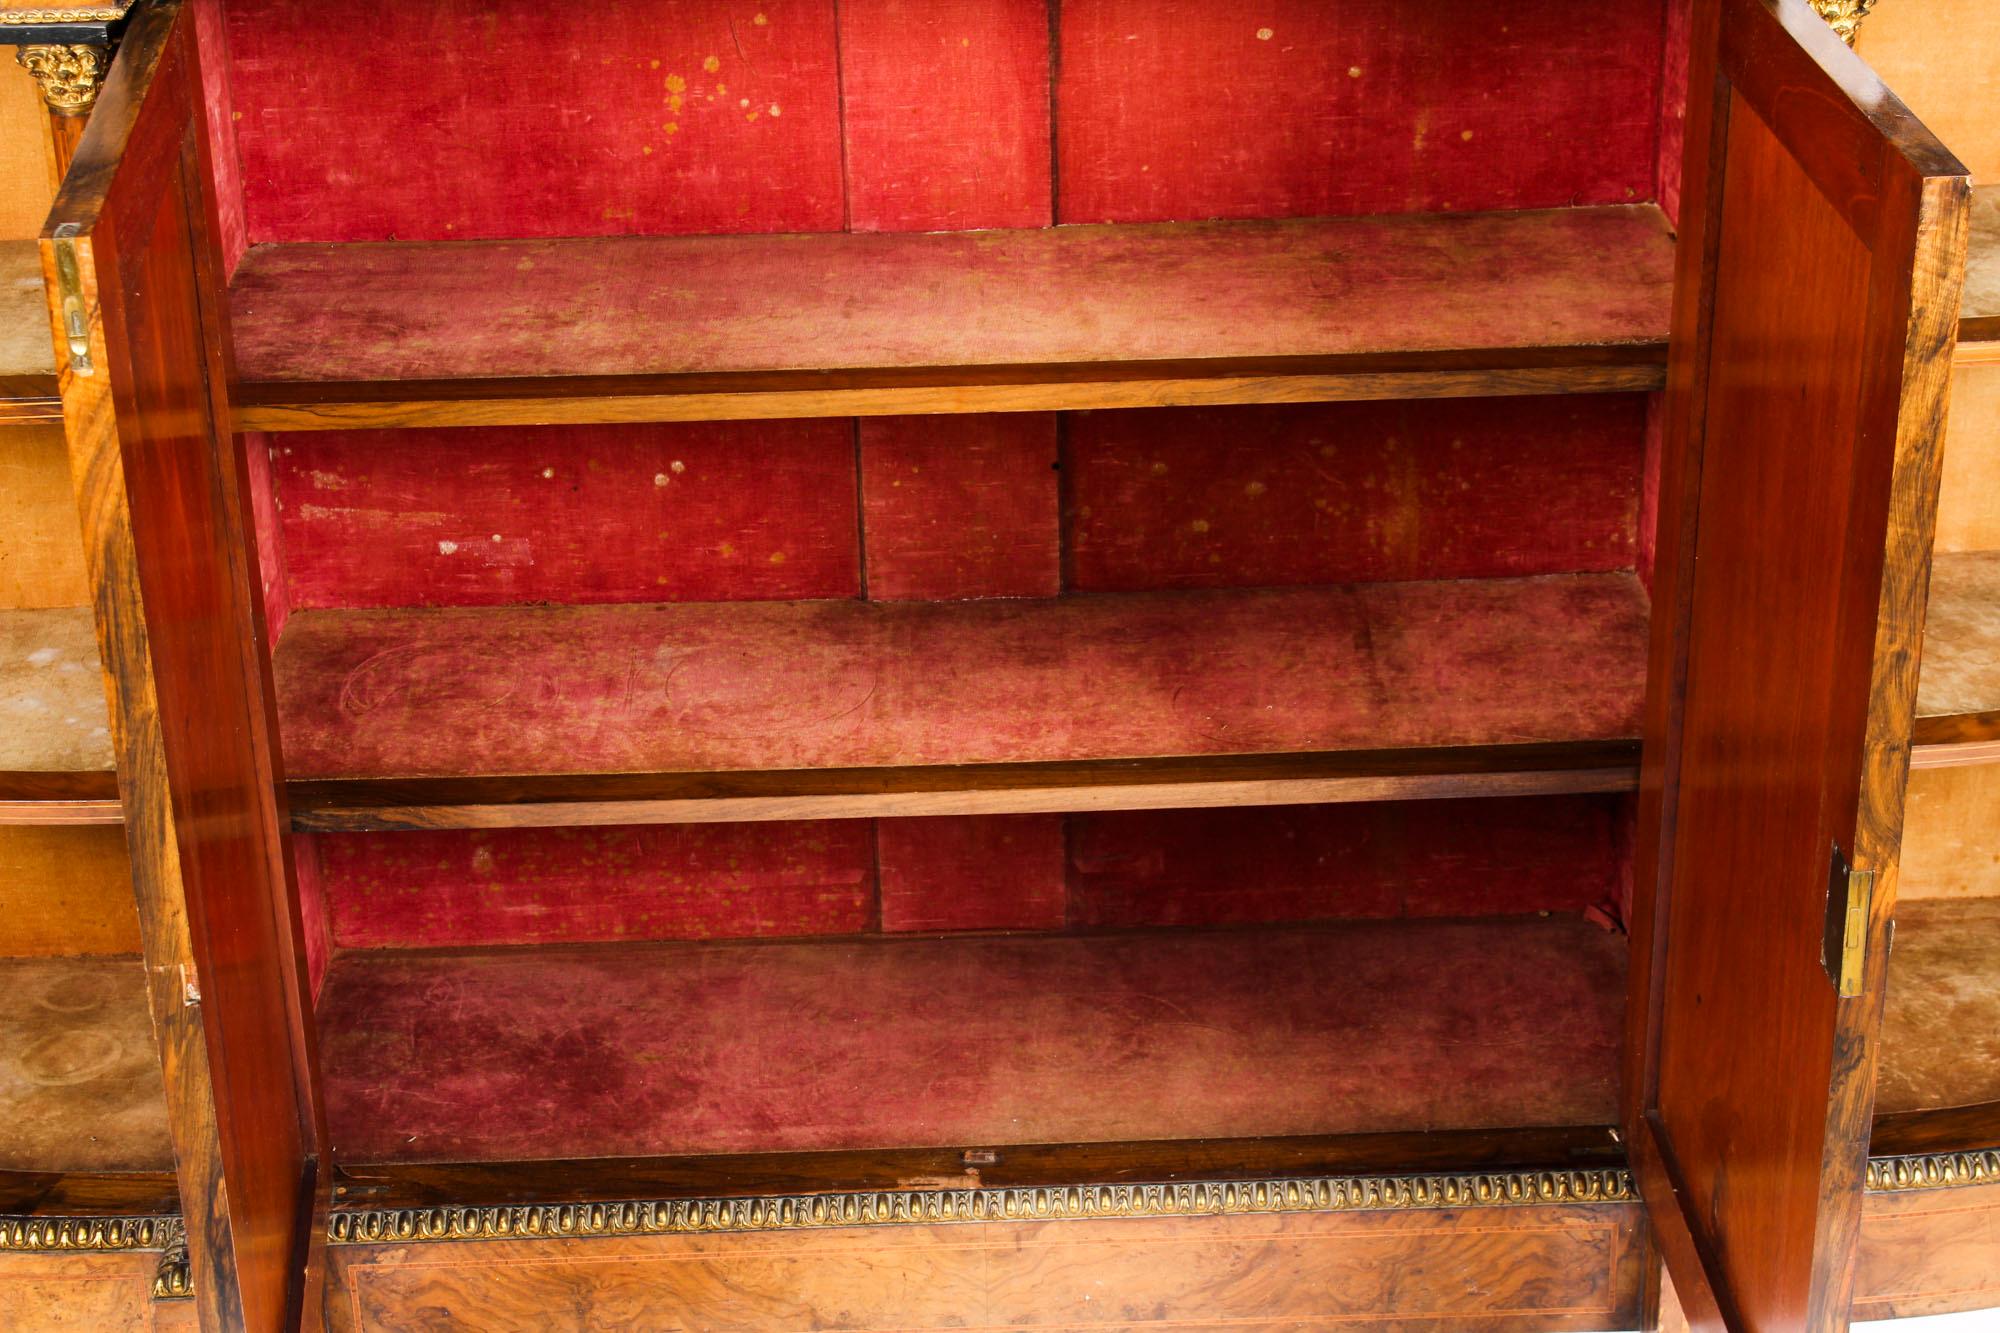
36 797
1030 1166
341 805
763 395
27 1194
1945 1130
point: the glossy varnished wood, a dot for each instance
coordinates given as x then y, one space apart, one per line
461 333
1491 1269
1928 1252
177 620
353 805
1790 730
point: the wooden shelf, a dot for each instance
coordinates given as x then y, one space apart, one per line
791 710
55 739
81 1090
27 352
1941 1031
968 1041
736 327
1958 696
1979 313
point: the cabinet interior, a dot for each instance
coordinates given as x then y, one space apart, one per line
1056 667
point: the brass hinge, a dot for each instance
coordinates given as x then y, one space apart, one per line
69 289
1849 893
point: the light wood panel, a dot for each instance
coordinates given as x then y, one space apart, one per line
27 156
66 891
1951 841
1943 58
41 543
1969 495
1499 1270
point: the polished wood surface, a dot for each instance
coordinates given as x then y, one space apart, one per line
457 333
103 1293
1794 727
177 615
1928 1252
1490 1269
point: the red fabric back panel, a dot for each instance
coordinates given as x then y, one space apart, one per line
1008 872
510 118
1002 872
961 506
946 113
269 541
494 515
1308 863
1262 108
964 506
536 886
1673 107
318 926
1339 492
518 118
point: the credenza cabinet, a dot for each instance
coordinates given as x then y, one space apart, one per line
993 664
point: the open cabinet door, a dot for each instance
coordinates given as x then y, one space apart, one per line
134 274
1822 249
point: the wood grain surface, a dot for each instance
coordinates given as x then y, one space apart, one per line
177 619
1795 724
1494 1270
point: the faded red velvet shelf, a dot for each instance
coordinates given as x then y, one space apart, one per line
703 711
1939 1047
647 1050
841 324
27 359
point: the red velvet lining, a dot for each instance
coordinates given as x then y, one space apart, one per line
1328 493
1019 872
628 1049
468 118
967 506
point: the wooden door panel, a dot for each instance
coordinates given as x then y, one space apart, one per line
159 482
1805 398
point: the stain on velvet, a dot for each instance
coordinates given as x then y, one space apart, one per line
535 886
763 685
1941 1030
467 118
1305 863
1249 108
1338 492
995 872
665 1049
961 506
632 513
